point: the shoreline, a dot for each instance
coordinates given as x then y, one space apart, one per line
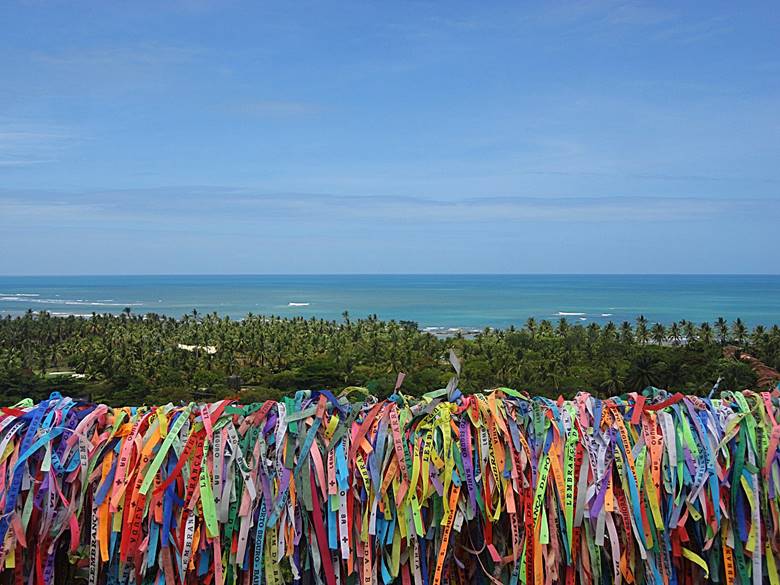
440 332
444 304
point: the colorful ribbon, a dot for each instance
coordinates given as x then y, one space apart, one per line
498 487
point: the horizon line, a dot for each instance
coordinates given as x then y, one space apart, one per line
143 274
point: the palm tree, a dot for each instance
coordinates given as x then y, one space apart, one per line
530 325
675 334
612 385
563 327
626 333
642 335
705 333
690 332
658 333
593 332
739 331
642 373
547 375
610 331
759 339
674 375
545 328
722 329
759 333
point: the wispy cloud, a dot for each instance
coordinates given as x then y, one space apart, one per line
662 23
107 69
654 176
142 54
221 208
694 32
25 144
612 12
276 108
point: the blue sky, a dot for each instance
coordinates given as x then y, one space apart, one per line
293 137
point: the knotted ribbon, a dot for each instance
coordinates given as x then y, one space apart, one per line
493 488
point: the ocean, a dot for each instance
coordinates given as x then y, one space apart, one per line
436 302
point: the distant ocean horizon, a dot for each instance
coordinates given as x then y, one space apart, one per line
438 302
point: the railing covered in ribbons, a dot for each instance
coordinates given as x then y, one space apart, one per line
498 487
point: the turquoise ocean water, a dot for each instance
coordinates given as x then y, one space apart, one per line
435 301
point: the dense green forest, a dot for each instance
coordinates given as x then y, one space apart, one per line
135 359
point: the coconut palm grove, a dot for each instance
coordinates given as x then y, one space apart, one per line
132 359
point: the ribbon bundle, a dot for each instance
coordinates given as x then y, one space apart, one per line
502 488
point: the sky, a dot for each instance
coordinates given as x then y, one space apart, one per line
200 136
